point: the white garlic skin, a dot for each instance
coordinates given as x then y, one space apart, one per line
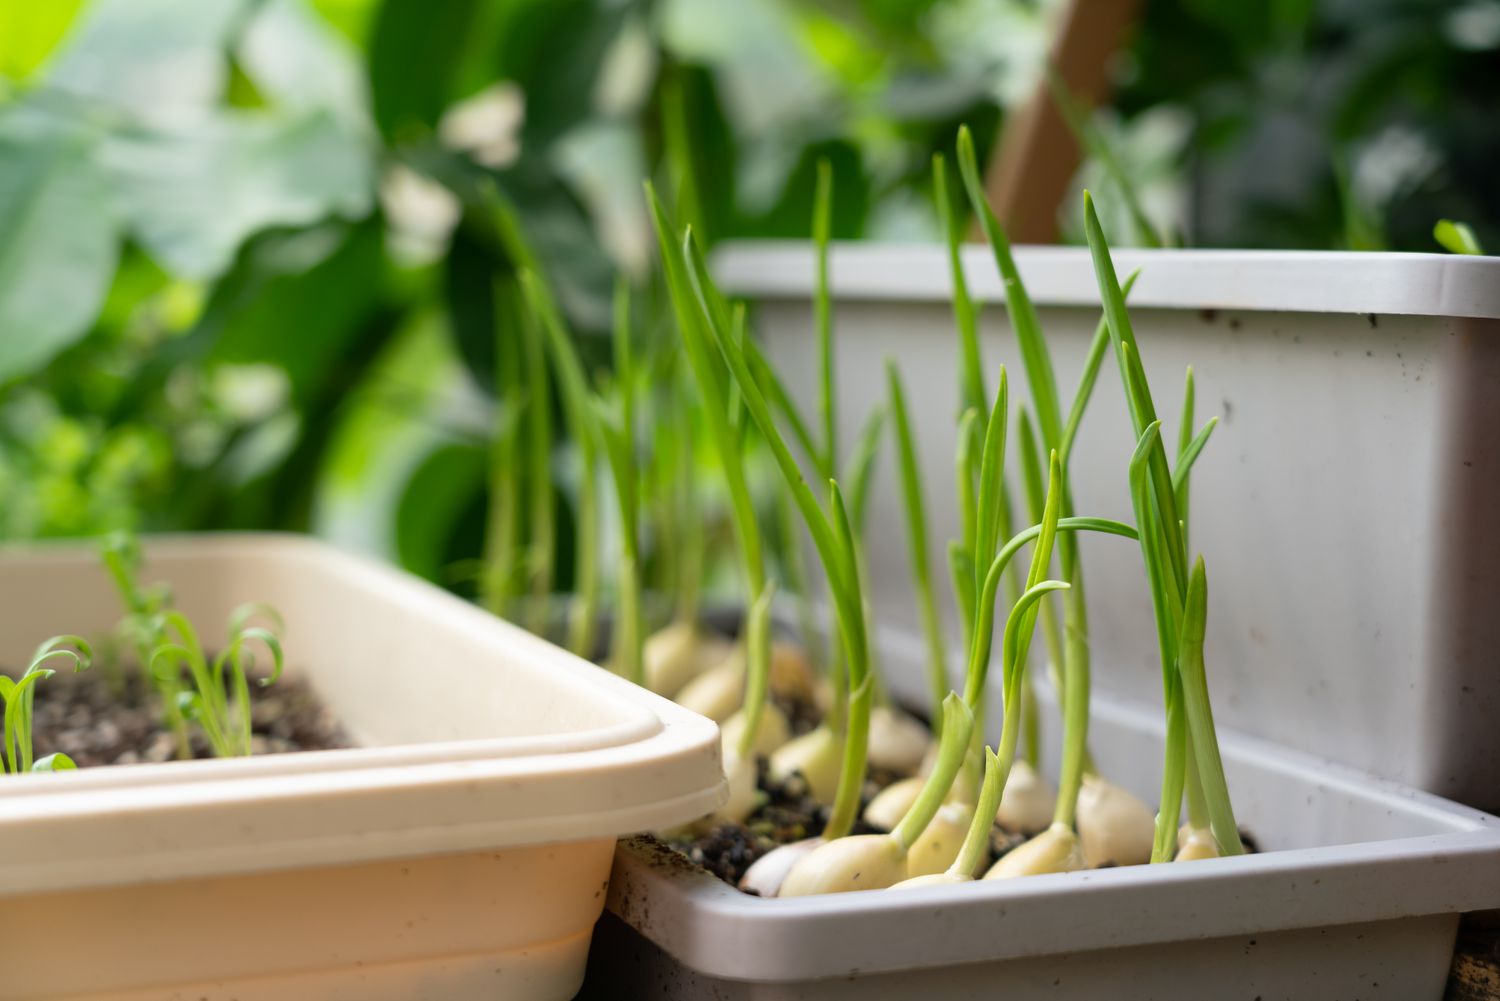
931 879
1028 802
892 803
767 873
1199 844
845 865
1054 850
938 845
774 730
898 740
675 655
818 755
1114 827
716 692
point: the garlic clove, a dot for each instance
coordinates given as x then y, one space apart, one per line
898 740
675 655
1114 827
717 692
1028 802
938 845
1198 844
891 803
1054 850
767 873
792 673
857 862
931 879
774 730
817 755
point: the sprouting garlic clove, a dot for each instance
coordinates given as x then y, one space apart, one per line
792 673
774 730
817 755
744 795
898 740
938 845
931 879
857 862
717 692
675 655
767 873
1114 827
1028 802
1054 850
1198 844
891 803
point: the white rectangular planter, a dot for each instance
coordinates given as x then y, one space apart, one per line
459 853
1356 895
1345 504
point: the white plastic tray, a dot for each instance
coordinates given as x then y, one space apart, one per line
459 853
1345 504
1357 894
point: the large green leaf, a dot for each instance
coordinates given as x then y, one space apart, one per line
191 197
299 62
418 52
154 60
58 243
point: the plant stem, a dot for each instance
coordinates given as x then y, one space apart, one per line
953 746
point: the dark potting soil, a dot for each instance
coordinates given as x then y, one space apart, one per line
83 715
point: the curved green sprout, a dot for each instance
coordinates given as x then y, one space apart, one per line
17 697
218 698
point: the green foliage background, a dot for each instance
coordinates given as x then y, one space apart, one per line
248 247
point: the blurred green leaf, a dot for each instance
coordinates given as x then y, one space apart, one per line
153 60
58 244
444 487
300 63
193 196
418 51
29 31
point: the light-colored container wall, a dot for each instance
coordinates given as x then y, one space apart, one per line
460 853
1345 505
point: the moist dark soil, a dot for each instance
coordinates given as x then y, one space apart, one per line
97 720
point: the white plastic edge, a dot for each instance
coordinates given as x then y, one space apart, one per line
1271 280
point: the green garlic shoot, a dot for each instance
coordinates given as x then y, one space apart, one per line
831 532
217 696
1164 548
916 536
702 324
876 861
17 697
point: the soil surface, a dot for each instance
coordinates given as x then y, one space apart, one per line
99 720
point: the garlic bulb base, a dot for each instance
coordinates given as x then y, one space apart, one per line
774 730
1114 827
817 755
1054 850
937 846
891 803
1028 802
898 741
845 865
767 873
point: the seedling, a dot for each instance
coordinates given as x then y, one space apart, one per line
1457 237
17 697
141 626
704 321
1178 596
218 696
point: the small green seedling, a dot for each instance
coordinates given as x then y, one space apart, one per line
217 696
1457 237
141 626
17 698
